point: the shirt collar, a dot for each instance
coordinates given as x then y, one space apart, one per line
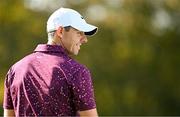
50 48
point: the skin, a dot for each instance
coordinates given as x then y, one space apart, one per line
9 113
89 113
70 40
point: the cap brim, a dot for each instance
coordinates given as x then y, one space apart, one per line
88 29
90 33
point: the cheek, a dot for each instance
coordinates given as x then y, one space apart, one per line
74 39
69 42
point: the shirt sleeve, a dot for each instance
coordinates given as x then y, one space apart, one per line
83 90
7 103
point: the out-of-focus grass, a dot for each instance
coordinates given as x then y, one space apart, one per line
1 111
1 96
1 91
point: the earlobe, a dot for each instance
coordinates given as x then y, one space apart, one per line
59 31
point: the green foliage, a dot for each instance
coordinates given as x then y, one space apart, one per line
134 58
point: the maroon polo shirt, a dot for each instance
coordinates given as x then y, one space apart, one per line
48 83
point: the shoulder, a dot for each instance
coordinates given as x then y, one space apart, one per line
80 73
19 66
77 67
75 71
23 63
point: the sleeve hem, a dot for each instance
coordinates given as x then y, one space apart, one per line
87 108
6 107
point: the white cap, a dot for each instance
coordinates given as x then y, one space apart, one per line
69 17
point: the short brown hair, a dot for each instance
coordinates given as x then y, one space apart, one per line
67 28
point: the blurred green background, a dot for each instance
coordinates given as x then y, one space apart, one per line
134 58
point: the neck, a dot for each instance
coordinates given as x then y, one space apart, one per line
55 42
52 42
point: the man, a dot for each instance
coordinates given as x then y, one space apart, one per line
49 82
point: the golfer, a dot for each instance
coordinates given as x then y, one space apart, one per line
49 82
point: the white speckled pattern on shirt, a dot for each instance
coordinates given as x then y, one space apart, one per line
48 83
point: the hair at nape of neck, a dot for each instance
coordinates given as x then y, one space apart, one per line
52 33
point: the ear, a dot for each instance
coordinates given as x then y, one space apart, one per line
59 31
